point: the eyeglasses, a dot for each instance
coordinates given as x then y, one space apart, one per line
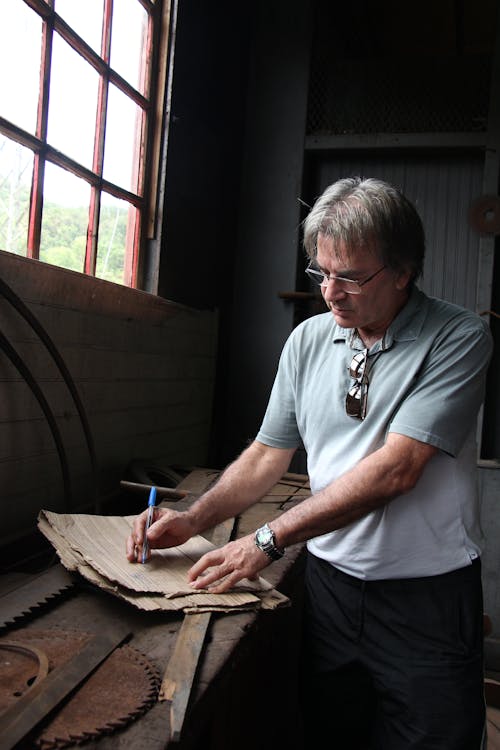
357 395
349 286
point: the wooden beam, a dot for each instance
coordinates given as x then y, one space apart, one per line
181 669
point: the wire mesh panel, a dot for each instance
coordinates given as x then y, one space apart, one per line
382 68
414 96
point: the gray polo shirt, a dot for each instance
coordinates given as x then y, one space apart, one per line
426 381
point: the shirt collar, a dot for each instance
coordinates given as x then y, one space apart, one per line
406 326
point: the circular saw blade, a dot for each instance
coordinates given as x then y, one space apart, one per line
123 688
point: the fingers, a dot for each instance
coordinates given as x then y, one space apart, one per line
169 528
131 549
208 560
162 522
220 570
135 540
134 549
225 584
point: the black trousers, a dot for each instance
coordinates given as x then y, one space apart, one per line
392 664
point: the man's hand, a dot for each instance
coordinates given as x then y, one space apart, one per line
221 569
170 528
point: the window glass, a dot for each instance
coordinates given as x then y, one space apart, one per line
85 19
64 219
130 22
73 131
16 168
19 63
123 132
116 231
72 104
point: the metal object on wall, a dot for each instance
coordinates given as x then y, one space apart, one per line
484 214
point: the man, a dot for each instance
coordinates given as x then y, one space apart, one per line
383 391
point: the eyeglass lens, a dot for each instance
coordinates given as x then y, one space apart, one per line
347 285
356 400
357 395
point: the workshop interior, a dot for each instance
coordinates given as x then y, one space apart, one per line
157 159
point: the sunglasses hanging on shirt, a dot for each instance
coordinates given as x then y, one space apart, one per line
357 395
356 399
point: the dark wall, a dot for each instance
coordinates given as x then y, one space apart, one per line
491 423
203 183
234 167
269 216
204 151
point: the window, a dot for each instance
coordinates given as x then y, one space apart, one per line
80 115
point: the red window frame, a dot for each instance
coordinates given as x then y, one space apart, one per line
148 141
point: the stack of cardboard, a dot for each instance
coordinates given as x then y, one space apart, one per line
94 546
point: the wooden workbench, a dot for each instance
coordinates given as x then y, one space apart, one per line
230 705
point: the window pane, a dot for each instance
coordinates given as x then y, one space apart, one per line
16 169
64 219
128 36
85 18
116 233
73 103
123 130
20 54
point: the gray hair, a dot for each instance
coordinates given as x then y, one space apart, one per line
368 214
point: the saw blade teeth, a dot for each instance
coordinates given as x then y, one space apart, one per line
39 591
127 681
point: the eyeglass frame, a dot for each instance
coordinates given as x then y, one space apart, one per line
313 273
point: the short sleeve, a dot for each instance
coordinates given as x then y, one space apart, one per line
442 403
279 427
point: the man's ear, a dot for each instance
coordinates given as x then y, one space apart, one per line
402 280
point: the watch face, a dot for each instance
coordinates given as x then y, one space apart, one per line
264 536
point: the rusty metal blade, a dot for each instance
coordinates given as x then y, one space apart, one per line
39 590
18 720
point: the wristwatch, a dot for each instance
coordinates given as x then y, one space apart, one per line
266 541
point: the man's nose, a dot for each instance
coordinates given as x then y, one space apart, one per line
332 289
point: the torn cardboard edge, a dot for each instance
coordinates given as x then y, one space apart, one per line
94 546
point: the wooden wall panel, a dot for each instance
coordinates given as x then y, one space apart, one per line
489 494
144 368
442 186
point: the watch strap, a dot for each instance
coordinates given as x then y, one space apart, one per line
269 548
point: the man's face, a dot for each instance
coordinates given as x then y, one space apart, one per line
380 299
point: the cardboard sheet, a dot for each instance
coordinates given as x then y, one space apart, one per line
95 547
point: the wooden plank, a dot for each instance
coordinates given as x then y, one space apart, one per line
373 141
179 675
301 478
160 491
181 669
199 480
493 728
290 493
257 515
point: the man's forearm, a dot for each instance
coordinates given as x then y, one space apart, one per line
376 480
241 485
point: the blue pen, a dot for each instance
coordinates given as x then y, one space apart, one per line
149 521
